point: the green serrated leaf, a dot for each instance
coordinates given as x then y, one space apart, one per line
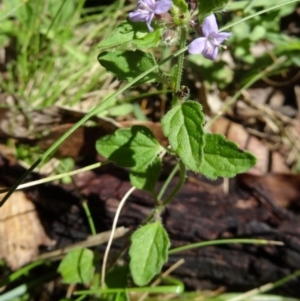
183 125
148 40
207 7
77 266
223 158
132 35
145 177
135 147
126 65
143 39
148 252
123 34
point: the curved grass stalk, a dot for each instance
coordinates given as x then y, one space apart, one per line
263 11
265 288
114 226
58 177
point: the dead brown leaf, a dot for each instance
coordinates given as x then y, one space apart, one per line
282 189
21 232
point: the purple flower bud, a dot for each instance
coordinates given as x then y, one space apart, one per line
146 10
208 45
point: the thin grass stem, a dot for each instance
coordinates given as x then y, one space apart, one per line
58 177
114 226
265 288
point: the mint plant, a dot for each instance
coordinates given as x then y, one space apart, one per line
132 54
129 52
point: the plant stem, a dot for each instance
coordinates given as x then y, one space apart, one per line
85 208
22 271
177 187
226 242
179 68
173 193
263 11
81 298
89 217
167 182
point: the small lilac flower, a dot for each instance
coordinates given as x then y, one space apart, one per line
146 10
208 45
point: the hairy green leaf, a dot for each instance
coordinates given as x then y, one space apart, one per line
127 64
206 7
223 158
145 177
183 125
135 147
123 34
148 252
77 266
130 35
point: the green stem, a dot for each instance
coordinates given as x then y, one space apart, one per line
177 187
263 11
175 289
167 182
22 271
179 68
180 183
89 217
166 51
85 208
82 297
225 242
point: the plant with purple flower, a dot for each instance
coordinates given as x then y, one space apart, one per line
211 40
130 54
147 9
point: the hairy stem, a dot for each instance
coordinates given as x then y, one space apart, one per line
179 68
